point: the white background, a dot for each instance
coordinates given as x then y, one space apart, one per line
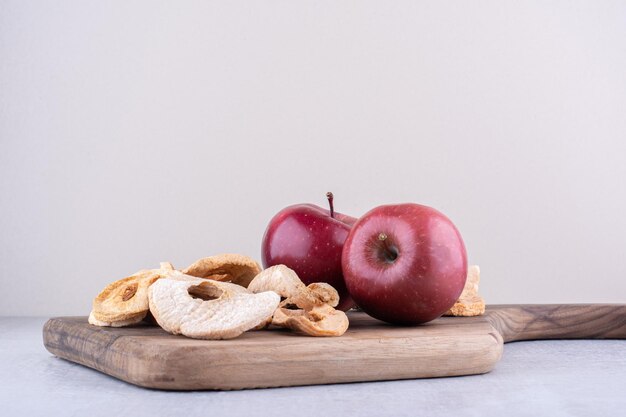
139 131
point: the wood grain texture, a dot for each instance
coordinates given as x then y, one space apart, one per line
370 350
558 321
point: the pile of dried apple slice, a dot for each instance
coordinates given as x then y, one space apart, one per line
220 297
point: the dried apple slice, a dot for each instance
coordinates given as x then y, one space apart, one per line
228 267
321 320
306 309
125 302
470 303
208 309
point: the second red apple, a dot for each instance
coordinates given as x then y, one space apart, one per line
309 240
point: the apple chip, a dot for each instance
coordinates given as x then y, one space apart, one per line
278 278
285 282
208 309
321 320
238 269
470 303
316 294
125 302
120 323
306 309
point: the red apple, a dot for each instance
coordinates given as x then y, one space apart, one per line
309 240
404 263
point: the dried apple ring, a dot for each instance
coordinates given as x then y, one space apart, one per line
228 267
208 309
470 303
125 302
306 309
321 320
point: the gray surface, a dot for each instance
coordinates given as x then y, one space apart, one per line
552 378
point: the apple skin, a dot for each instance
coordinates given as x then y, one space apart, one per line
308 240
405 263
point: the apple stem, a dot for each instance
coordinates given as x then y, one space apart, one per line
390 252
330 198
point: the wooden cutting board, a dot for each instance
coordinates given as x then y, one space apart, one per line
369 351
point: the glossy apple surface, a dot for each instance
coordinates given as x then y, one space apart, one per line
307 239
404 263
